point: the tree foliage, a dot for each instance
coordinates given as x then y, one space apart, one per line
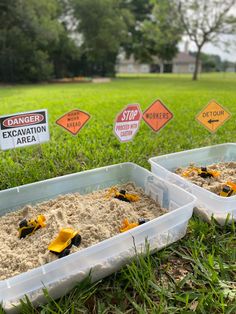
203 22
210 62
103 26
27 29
41 39
141 11
163 31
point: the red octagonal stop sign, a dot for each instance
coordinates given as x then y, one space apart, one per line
127 123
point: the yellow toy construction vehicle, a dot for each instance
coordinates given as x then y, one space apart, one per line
202 172
123 196
229 189
130 225
64 241
30 226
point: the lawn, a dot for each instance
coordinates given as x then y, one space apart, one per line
197 274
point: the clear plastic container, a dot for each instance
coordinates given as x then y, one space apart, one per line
164 166
107 256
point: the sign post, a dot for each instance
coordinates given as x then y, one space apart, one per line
213 116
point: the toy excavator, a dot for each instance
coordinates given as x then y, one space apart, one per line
229 189
64 241
123 196
30 226
203 172
130 225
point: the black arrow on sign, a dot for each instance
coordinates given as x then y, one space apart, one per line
212 121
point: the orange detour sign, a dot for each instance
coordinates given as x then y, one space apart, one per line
127 123
213 116
73 121
157 115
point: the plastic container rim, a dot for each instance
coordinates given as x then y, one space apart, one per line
153 161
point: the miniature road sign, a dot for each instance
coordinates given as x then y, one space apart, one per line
127 123
213 116
157 115
24 129
73 121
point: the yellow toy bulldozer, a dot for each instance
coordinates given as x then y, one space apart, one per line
123 196
130 225
28 227
203 172
64 241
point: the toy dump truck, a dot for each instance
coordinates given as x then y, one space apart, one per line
64 241
229 189
28 227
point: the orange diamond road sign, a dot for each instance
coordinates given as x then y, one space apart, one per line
157 115
213 116
73 121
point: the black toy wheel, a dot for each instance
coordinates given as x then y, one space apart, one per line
206 175
64 253
142 221
121 197
123 192
76 240
26 231
23 223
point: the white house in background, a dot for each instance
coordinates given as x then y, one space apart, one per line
231 67
182 63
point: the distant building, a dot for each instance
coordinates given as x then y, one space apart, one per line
182 63
231 67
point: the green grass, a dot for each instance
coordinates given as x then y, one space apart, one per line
96 145
197 274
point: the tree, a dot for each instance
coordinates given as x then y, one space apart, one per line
204 20
65 56
102 24
141 11
163 32
28 28
210 63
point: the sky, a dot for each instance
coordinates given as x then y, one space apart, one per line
221 51
226 53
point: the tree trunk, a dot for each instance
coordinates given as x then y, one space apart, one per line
195 73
